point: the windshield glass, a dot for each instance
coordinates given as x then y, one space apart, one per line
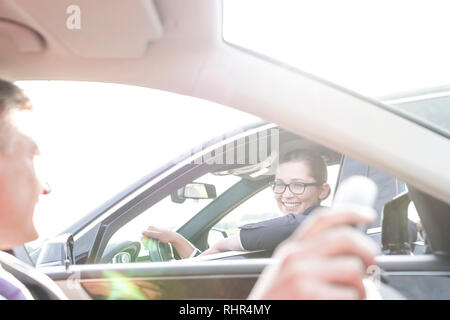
432 109
98 138
375 49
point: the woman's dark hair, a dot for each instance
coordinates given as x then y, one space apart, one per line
314 161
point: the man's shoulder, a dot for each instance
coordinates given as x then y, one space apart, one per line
30 277
11 287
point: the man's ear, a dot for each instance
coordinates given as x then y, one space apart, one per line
325 191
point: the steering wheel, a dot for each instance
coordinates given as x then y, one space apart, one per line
157 250
121 252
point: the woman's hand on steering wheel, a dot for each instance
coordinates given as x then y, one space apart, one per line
161 234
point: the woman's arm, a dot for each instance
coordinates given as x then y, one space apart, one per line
181 244
232 243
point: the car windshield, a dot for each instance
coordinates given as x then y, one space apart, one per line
375 49
431 109
98 138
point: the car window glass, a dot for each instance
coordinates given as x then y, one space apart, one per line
397 227
96 139
434 112
327 44
344 41
170 215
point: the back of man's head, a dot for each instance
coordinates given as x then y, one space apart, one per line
12 98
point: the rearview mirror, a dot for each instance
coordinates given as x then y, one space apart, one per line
194 190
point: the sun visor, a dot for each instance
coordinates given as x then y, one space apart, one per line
100 28
25 40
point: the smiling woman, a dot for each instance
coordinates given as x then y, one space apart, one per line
97 138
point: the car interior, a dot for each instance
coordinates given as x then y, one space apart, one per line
391 229
180 49
198 227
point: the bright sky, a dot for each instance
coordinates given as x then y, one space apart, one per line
97 138
372 47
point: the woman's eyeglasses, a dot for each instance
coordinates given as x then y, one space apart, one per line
295 187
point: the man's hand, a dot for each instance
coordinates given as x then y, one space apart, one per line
324 259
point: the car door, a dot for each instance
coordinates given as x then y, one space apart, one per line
225 275
199 280
206 279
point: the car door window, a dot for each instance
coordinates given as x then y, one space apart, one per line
394 222
170 215
121 139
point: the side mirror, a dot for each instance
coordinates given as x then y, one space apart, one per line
57 252
194 190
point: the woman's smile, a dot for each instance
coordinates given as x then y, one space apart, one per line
291 204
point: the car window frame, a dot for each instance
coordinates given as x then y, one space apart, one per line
158 191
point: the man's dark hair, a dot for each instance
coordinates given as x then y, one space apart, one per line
11 98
